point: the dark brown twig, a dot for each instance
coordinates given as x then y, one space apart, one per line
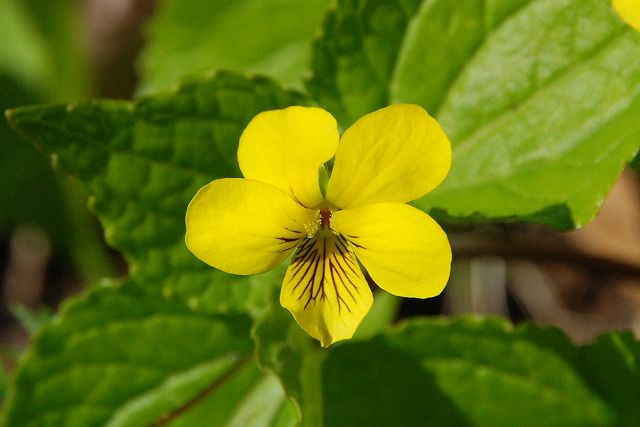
539 249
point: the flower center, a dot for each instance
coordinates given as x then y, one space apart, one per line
322 224
325 218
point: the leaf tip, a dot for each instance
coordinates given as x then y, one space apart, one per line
15 117
10 116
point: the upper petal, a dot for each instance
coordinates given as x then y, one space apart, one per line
244 227
629 11
403 249
395 154
286 148
325 290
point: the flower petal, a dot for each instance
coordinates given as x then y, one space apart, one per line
629 11
286 148
403 249
244 227
395 154
325 290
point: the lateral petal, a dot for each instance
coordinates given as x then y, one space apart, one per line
325 290
402 248
286 148
243 226
396 154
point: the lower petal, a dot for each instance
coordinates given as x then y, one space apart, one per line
403 249
244 227
325 290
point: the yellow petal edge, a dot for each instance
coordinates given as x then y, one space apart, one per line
244 227
402 248
396 154
286 148
629 11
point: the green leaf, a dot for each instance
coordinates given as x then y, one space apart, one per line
127 355
354 57
265 37
539 97
171 344
142 163
611 367
449 372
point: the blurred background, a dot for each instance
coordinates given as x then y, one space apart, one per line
585 282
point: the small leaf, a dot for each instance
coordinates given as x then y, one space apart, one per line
539 97
142 163
187 37
126 355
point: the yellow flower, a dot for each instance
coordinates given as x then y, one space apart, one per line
387 158
629 11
